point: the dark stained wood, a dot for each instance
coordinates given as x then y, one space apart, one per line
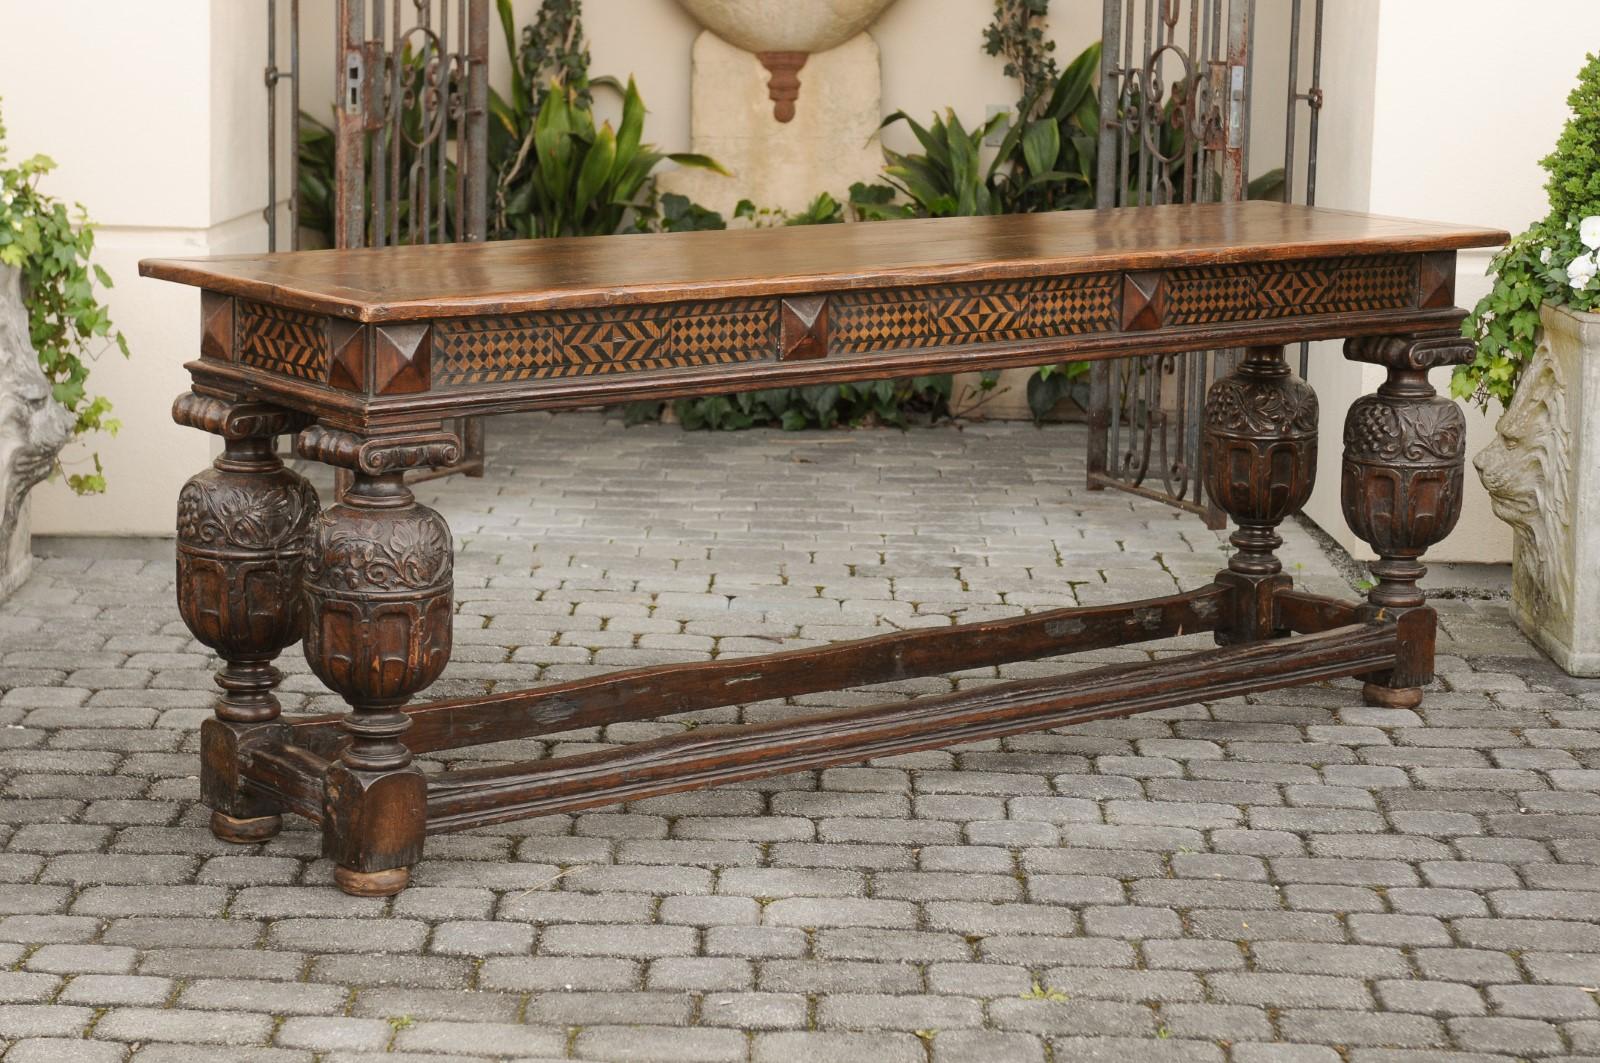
666 689
378 598
288 775
1260 440
242 529
455 280
1307 614
367 355
1405 450
706 756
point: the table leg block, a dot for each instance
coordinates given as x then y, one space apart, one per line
1260 465
378 592
242 528
1401 487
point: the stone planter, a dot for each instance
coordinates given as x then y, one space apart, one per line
1543 477
33 429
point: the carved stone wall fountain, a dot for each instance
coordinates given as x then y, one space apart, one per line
33 429
786 96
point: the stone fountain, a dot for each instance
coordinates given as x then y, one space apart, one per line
785 95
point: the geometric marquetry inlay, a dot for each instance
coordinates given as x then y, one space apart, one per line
1263 290
577 343
287 342
958 314
410 357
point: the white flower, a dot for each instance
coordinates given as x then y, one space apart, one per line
1581 271
1544 256
1589 232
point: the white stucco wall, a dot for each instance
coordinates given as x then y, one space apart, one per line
1441 109
156 123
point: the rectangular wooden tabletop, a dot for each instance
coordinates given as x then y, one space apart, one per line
516 276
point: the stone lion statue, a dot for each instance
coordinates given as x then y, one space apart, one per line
1525 472
33 427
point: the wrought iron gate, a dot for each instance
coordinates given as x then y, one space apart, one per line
1176 90
410 132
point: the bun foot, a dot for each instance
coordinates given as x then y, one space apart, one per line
1391 697
384 883
245 831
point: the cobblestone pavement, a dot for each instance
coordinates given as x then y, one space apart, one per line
1290 877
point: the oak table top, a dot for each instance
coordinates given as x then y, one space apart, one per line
513 276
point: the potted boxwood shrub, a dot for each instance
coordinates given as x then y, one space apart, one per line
52 326
1539 356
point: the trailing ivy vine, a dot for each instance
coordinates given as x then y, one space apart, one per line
67 324
1017 32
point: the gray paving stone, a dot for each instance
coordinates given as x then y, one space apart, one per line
1293 878
64 1050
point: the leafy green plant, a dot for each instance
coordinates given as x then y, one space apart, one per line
948 177
1017 32
1052 383
67 324
1051 158
558 174
1554 261
314 173
897 403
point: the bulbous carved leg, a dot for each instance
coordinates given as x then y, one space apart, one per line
379 595
1401 483
242 527
1260 464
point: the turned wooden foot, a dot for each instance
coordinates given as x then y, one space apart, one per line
384 883
245 831
1385 697
1260 465
1404 453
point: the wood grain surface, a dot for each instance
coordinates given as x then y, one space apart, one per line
462 280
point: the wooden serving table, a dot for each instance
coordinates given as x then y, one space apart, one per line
366 354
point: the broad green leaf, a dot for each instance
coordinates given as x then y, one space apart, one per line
1041 144
596 169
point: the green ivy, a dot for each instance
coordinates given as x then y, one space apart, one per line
67 323
1553 262
1017 32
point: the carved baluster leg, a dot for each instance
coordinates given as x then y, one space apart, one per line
1404 452
379 599
1260 463
242 527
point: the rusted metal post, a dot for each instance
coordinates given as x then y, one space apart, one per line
1105 195
350 141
